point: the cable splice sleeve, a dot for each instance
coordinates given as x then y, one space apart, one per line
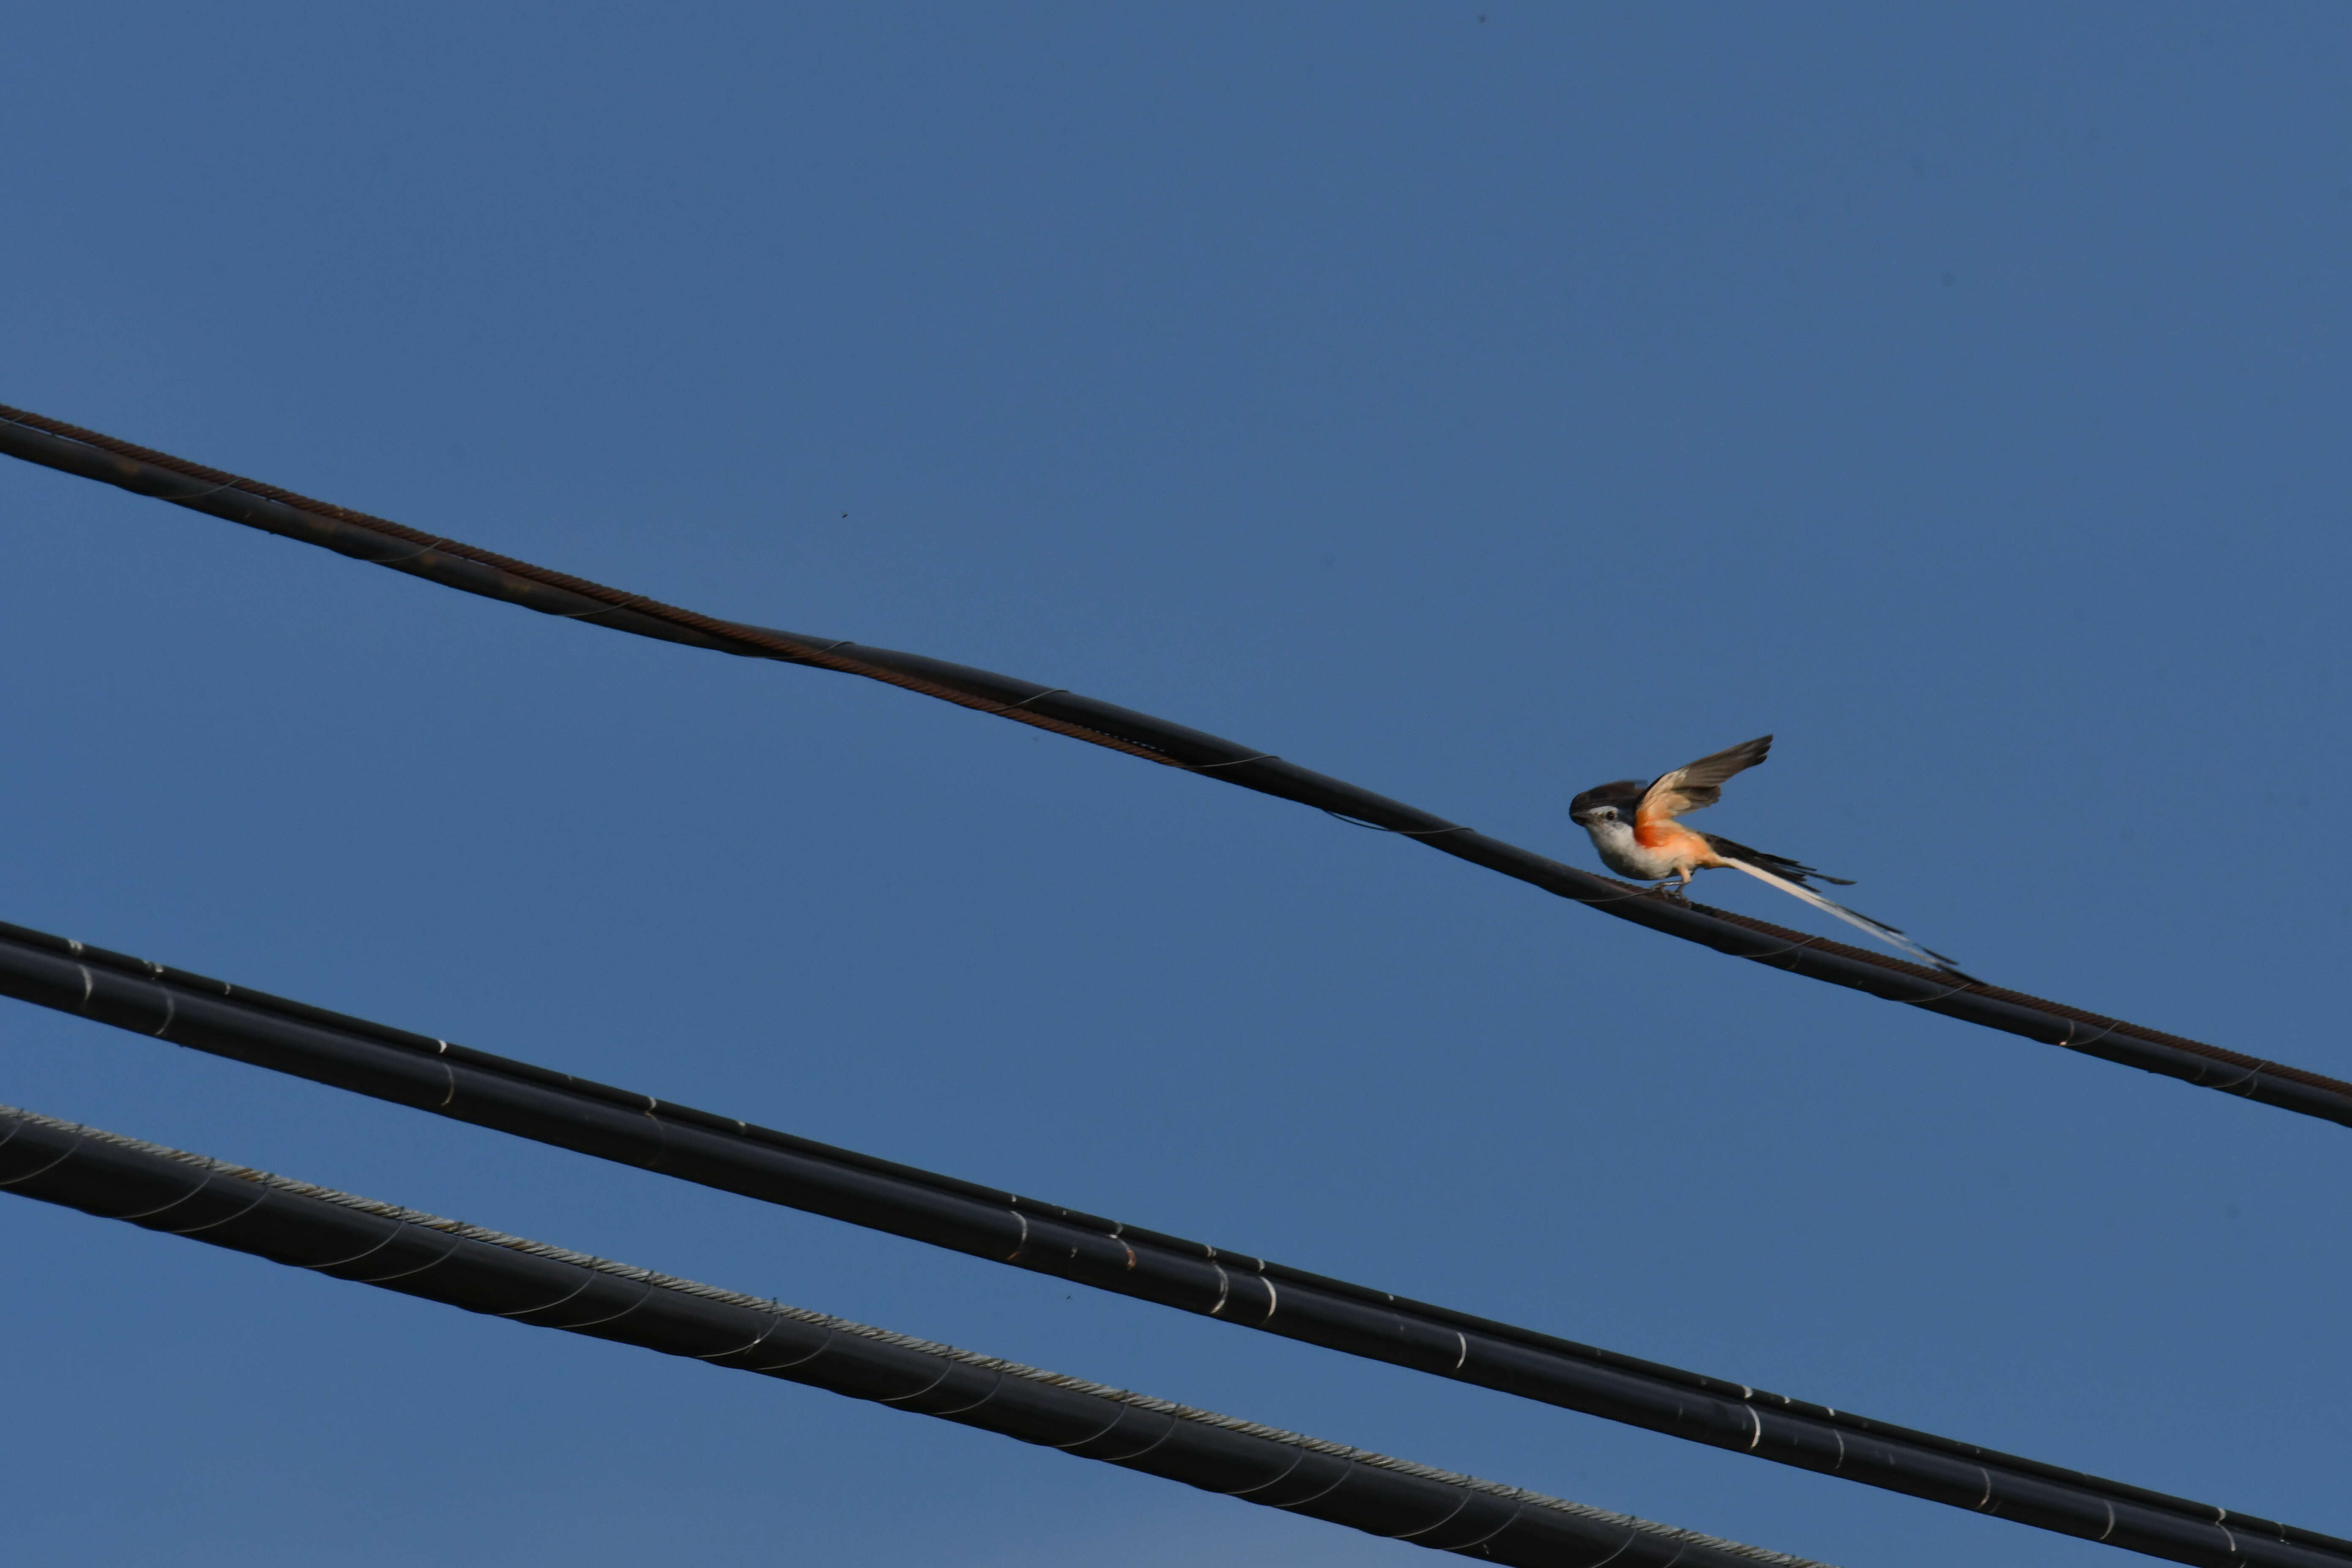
529 1282
731 1155
70 448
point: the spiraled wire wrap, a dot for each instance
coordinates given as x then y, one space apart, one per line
632 1129
531 1282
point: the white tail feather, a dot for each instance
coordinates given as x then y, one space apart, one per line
1886 933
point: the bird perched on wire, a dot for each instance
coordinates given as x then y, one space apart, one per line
1633 826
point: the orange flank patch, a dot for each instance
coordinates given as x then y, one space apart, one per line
1672 838
1656 811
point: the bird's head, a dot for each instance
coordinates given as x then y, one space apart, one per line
1605 804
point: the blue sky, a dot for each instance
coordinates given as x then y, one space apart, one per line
1476 410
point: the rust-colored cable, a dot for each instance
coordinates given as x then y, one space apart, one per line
92 455
781 644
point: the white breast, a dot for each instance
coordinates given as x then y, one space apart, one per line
1621 854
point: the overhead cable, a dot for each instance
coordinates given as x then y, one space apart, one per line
631 1129
529 1282
72 449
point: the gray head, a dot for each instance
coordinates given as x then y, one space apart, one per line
1606 803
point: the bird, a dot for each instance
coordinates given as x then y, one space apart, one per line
1634 828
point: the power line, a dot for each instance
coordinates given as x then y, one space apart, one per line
719 1152
90 455
529 1282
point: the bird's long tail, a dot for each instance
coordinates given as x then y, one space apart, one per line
1879 929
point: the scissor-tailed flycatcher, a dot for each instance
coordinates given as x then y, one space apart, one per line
1632 824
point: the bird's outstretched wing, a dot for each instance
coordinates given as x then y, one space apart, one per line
1699 785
